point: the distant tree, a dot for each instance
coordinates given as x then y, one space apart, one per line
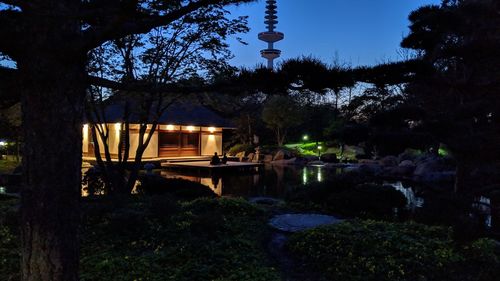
181 53
49 42
459 45
280 114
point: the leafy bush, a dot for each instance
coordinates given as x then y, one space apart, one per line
378 251
179 188
206 239
92 182
247 148
9 244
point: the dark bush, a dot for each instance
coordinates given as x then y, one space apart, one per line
162 206
453 210
92 183
179 188
379 251
367 200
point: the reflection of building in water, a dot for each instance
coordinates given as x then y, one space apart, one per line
215 183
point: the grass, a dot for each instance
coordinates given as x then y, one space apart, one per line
7 166
311 149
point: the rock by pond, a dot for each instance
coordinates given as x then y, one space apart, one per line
299 222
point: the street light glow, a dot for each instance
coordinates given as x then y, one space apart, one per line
305 137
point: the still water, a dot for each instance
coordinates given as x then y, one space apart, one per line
275 181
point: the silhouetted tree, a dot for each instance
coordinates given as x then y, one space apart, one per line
459 43
49 41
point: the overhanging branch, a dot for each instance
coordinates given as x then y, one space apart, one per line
139 23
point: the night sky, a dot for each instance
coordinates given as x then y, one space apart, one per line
358 32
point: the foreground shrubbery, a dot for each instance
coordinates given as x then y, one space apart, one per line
158 238
379 251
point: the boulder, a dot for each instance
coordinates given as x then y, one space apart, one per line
329 158
292 161
406 163
251 157
368 162
389 161
268 158
428 167
299 222
370 169
283 154
400 171
408 154
240 155
356 149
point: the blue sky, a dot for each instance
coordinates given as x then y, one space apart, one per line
359 32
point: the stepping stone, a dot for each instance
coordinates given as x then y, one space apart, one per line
299 222
266 201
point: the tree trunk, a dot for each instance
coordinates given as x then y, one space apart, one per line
462 177
53 80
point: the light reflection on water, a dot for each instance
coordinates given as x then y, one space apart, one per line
276 181
273 181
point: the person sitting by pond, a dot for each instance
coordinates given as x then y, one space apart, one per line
224 159
215 159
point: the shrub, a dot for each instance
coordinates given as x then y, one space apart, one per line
92 182
370 250
247 148
179 188
9 243
206 239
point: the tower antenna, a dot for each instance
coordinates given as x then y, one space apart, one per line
271 36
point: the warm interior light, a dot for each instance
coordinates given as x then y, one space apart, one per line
190 128
118 126
170 127
211 129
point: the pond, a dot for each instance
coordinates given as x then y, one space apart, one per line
275 181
